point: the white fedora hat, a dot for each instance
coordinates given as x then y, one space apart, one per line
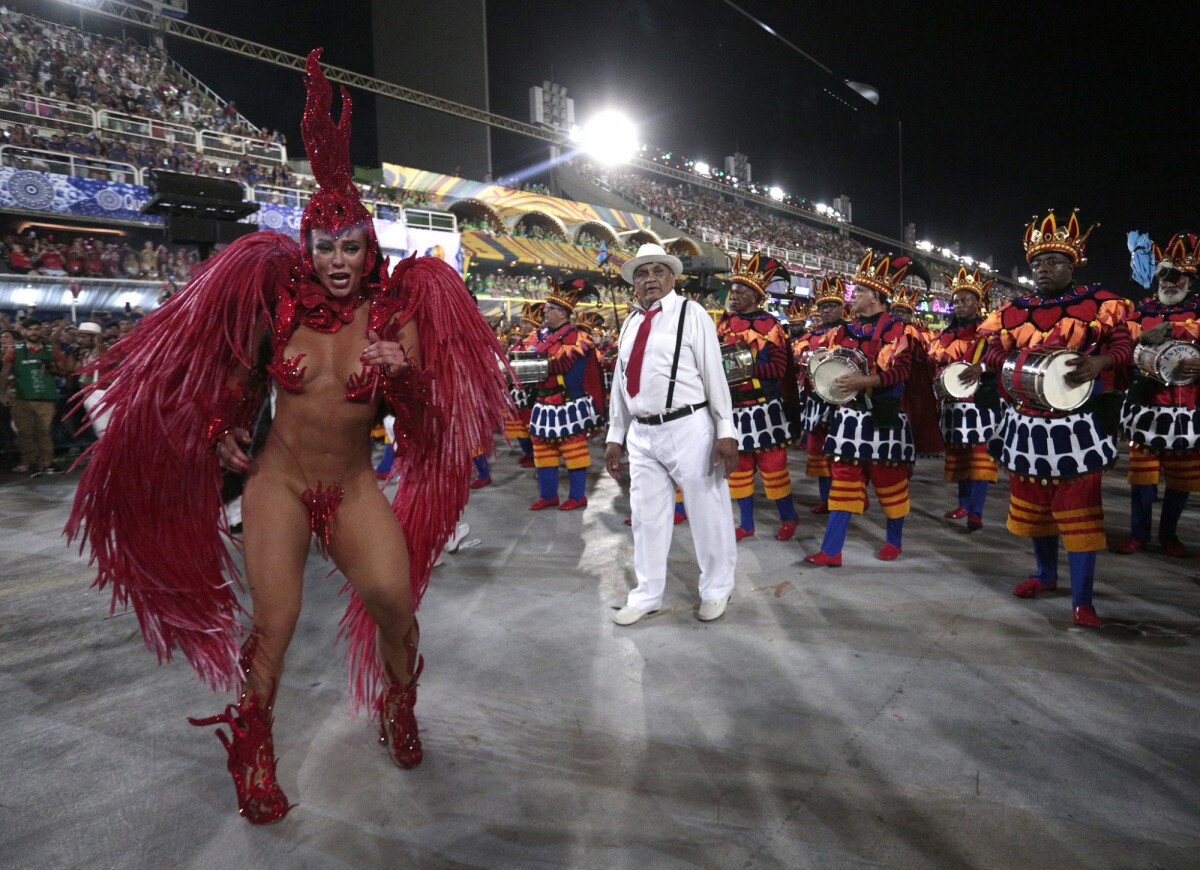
89 327
650 254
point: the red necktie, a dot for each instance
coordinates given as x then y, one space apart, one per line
633 371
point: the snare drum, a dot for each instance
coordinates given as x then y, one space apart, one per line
738 362
947 387
814 359
529 367
1042 380
832 365
1158 361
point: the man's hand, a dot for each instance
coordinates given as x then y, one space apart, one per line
1085 369
971 374
612 460
1188 368
229 450
725 456
1157 335
855 383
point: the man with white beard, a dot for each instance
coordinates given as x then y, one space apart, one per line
1160 417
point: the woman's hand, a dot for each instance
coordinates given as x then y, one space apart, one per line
229 450
388 354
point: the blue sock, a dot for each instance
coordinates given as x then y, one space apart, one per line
746 511
1141 503
823 485
578 479
1045 550
547 479
1083 574
482 468
385 464
835 532
679 509
526 447
787 509
979 491
964 494
895 532
1173 504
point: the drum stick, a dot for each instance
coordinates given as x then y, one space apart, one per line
980 346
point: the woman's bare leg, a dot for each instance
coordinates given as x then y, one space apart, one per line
276 542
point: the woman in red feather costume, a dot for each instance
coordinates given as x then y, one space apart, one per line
340 335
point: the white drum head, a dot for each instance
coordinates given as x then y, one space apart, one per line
826 372
1058 393
952 386
1171 356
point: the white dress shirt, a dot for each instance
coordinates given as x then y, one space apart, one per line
700 376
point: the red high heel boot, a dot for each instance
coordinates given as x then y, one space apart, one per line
251 753
397 721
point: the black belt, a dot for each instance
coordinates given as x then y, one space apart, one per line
668 416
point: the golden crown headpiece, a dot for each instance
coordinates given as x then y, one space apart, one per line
828 288
571 294
796 313
883 275
590 321
1182 253
906 297
533 313
969 281
749 273
1047 235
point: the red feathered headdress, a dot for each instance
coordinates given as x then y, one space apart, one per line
336 207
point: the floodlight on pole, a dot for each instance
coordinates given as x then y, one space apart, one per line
609 137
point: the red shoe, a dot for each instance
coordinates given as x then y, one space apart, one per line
824 560
542 503
397 721
1085 615
573 504
679 518
525 462
887 552
629 521
740 533
251 750
1129 545
1174 547
480 483
974 522
1030 588
821 508
786 531
957 514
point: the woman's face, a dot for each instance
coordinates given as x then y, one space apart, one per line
338 261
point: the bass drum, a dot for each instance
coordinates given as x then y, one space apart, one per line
948 388
1038 379
1158 361
837 362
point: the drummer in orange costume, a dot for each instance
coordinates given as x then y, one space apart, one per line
1159 413
759 418
829 300
516 422
870 439
966 426
1055 459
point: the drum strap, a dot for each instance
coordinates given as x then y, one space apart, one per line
1019 368
678 344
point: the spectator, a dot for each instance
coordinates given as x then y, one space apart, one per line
34 363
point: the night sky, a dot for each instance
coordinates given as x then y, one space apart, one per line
1006 109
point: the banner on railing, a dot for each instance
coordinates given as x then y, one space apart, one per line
25 189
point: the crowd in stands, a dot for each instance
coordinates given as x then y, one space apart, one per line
83 256
696 211
63 63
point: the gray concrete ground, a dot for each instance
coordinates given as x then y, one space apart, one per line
906 714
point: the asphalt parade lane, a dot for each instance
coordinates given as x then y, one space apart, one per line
911 713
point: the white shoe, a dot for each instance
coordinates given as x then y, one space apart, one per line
461 530
710 610
629 614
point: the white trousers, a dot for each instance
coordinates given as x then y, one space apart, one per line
660 457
